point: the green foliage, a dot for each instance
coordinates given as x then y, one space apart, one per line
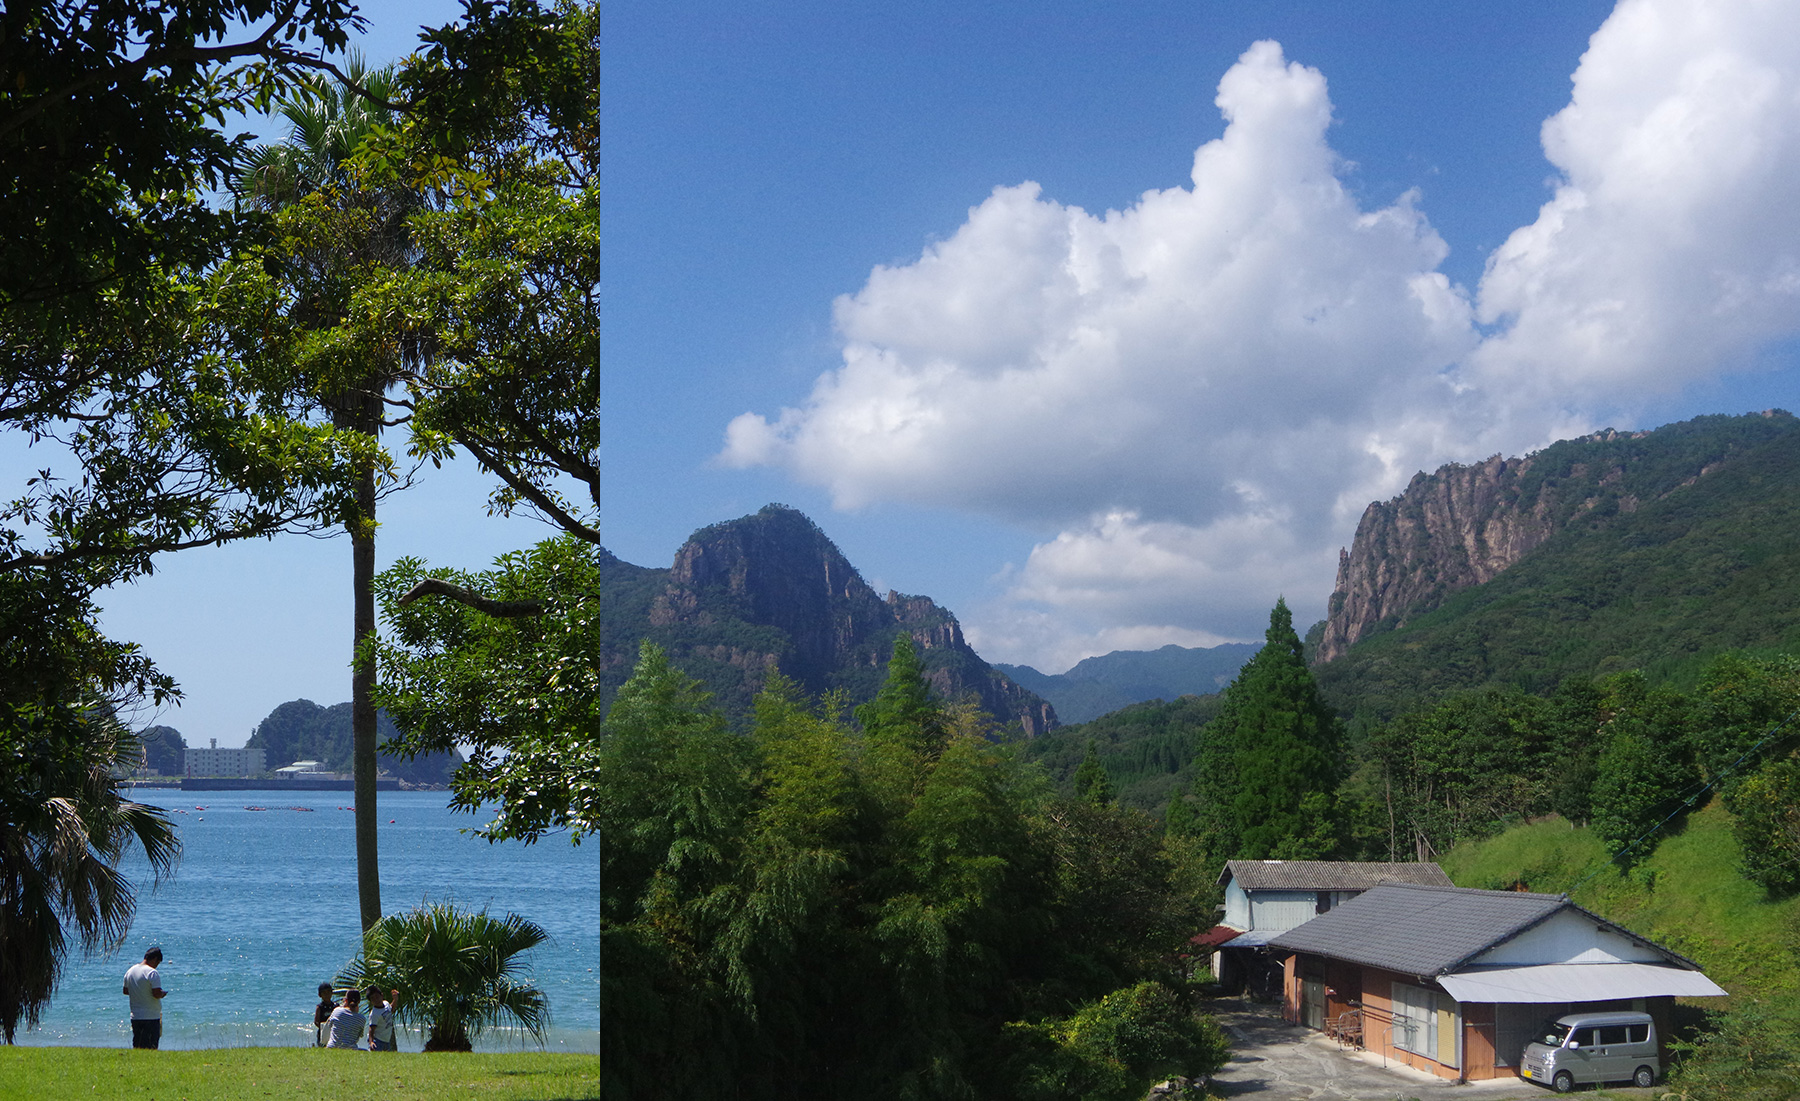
1108 1049
164 750
1458 770
816 909
111 131
1092 785
1268 765
522 691
1766 817
903 712
1644 774
458 973
1751 1053
1146 748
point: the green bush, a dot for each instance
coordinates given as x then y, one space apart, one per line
1115 1049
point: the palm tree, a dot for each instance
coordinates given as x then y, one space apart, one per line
367 227
63 829
459 973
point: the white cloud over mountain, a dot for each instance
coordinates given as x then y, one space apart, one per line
1202 392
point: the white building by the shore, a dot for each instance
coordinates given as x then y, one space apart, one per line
214 761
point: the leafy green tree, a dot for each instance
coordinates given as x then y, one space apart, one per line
1766 819
821 910
522 691
1644 775
1273 744
458 973
1460 769
1091 781
110 137
64 826
1739 701
503 136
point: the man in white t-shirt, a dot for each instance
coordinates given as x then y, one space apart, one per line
143 985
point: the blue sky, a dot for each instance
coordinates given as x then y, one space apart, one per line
1086 419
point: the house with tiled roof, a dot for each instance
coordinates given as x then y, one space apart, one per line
1265 898
1456 981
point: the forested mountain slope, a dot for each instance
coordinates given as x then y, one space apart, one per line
1098 685
771 591
1646 580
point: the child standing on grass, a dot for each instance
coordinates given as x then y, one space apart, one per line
322 1013
381 1021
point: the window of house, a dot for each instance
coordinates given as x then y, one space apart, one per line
1415 1019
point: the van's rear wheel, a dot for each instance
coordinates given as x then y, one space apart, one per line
1564 1081
1644 1077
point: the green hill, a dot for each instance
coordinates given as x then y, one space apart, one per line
301 730
1710 566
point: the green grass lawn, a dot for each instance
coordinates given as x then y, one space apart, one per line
236 1074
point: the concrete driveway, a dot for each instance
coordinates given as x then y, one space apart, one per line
1272 1060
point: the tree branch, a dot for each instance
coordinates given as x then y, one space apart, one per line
500 609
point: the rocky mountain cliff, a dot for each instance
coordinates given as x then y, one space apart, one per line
1464 525
771 591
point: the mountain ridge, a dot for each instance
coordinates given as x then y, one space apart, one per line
770 591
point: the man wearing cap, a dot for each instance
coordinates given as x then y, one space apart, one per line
143 985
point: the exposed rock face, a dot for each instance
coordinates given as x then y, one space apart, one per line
1463 525
772 591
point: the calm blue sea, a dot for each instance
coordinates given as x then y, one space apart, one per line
263 908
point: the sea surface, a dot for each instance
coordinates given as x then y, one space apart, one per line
263 908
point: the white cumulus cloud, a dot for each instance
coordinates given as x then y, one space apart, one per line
1201 392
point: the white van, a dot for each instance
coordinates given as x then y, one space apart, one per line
1593 1047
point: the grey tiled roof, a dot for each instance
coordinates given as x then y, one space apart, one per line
1327 875
1419 930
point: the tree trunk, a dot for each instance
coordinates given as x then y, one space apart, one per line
362 703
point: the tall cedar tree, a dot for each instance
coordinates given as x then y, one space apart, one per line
1092 784
903 712
1268 765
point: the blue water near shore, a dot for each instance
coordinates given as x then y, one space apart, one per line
263 908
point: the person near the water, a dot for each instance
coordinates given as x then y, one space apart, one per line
143 985
381 1019
322 1013
345 1025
